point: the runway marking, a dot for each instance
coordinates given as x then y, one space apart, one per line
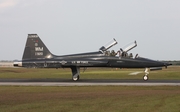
135 73
87 82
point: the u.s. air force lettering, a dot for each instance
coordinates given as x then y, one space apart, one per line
79 62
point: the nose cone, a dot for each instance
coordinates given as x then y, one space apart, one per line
163 63
153 63
167 64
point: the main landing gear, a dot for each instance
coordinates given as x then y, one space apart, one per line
75 73
146 74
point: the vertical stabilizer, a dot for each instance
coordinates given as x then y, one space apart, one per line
35 48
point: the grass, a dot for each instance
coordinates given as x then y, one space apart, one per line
89 99
90 73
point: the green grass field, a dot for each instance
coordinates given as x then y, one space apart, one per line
89 98
90 73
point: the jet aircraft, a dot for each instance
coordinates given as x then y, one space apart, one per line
37 55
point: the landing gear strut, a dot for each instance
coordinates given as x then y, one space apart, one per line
146 74
75 73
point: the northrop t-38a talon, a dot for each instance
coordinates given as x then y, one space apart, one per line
37 55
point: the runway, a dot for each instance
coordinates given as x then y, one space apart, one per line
87 82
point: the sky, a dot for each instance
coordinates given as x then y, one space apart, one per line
77 26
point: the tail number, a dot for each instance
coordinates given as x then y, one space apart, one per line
38 53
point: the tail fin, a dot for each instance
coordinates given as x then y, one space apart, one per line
35 48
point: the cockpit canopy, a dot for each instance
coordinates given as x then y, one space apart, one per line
108 45
123 52
129 47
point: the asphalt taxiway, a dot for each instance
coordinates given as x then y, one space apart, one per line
87 82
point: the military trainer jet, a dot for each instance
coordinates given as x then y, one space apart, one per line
37 55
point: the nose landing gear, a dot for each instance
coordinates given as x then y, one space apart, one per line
146 74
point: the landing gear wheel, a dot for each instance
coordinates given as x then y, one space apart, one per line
75 73
75 78
145 78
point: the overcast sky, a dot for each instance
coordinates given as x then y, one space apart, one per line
77 26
